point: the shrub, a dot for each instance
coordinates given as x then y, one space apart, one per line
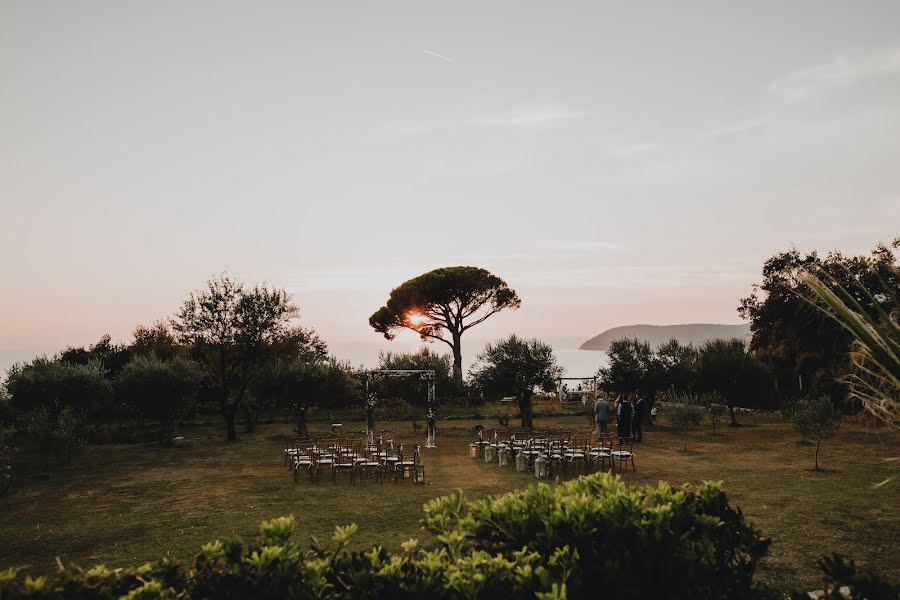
60 431
572 540
860 584
7 452
686 411
7 449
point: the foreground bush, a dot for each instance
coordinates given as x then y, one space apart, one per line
591 537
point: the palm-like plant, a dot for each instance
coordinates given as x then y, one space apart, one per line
875 356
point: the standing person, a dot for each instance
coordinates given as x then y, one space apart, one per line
624 414
640 407
601 414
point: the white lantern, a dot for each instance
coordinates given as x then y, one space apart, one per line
503 456
540 467
521 461
489 452
473 450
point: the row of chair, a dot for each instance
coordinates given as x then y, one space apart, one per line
559 451
353 460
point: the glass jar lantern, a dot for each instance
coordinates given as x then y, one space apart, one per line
473 450
503 456
489 453
521 461
541 465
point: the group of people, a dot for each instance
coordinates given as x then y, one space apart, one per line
629 410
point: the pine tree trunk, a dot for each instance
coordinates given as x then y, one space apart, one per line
457 359
526 410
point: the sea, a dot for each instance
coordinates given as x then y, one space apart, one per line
575 362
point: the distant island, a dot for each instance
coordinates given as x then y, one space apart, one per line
695 333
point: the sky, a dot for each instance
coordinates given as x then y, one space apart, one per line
615 163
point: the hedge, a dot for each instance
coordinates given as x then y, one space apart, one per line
587 538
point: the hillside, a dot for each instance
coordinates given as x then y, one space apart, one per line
696 333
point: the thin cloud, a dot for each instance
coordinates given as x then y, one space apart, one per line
843 70
640 148
734 128
527 117
580 245
633 276
411 129
441 56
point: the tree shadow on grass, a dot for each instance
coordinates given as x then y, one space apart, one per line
690 452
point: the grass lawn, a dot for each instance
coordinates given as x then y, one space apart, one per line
126 504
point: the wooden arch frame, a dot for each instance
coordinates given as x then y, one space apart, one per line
423 375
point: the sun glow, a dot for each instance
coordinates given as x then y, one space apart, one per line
416 318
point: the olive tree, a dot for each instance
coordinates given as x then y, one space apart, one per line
48 382
60 403
516 366
816 419
726 368
163 390
302 385
442 305
231 327
714 407
158 339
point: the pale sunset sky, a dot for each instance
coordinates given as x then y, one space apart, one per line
615 162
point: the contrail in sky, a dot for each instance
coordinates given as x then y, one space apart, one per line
438 55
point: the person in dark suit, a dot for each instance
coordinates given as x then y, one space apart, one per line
640 409
624 415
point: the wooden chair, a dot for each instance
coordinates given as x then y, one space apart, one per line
369 464
625 453
345 463
324 458
601 451
404 467
302 459
291 450
576 454
371 468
